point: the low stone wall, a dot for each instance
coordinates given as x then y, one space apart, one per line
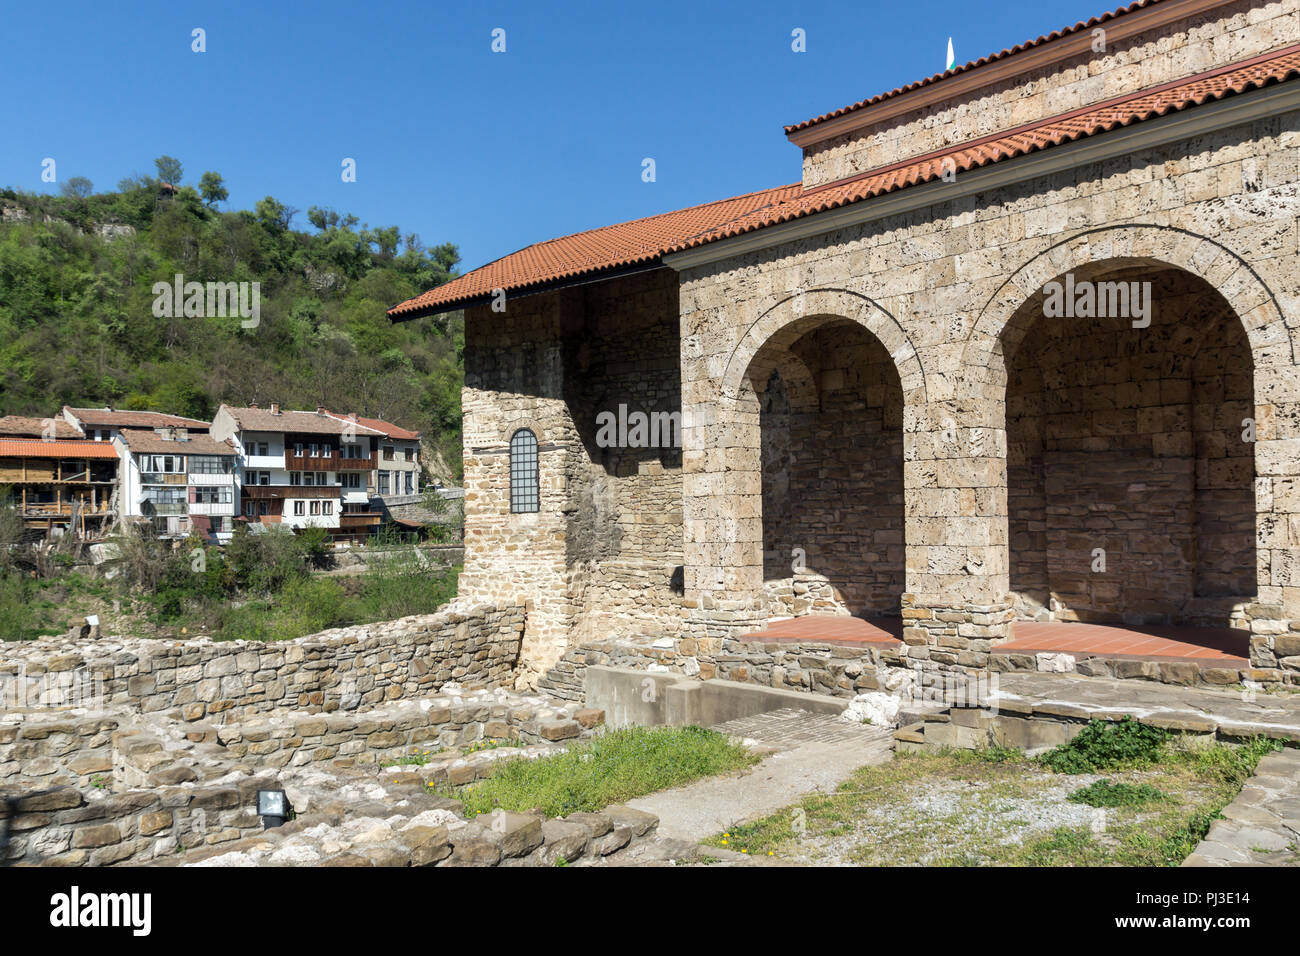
818 668
105 788
337 669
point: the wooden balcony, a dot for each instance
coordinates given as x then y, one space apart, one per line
280 492
330 462
355 519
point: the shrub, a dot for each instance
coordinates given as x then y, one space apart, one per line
1106 746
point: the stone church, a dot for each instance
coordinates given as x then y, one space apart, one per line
1020 345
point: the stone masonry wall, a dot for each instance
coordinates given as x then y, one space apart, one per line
942 288
1131 440
833 470
339 669
603 552
1195 44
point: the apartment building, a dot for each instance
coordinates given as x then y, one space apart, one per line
397 465
302 469
58 481
181 482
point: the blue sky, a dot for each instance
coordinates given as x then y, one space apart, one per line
452 141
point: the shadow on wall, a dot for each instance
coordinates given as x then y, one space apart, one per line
831 423
1130 482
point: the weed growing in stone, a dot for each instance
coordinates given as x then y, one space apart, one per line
1103 745
1104 793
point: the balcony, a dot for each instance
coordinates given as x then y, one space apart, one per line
289 491
359 519
210 478
163 478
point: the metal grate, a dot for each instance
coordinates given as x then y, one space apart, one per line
523 472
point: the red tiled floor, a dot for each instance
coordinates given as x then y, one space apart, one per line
832 629
1207 645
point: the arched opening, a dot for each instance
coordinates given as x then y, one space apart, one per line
830 416
1130 456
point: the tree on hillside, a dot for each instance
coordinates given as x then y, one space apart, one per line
213 188
169 169
78 187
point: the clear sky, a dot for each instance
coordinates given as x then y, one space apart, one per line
491 151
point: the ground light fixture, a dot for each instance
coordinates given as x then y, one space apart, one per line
273 807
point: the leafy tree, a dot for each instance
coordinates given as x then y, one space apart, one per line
213 188
78 187
169 169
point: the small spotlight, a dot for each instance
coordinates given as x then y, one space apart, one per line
273 807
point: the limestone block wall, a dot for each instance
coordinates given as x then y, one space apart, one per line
943 289
1130 440
833 471
1189 44
337 669
603 553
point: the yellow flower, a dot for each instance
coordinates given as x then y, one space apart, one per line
744 851
724 842
770 853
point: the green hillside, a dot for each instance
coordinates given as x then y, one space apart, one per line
77 323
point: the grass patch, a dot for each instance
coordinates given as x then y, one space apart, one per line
611 768
997 807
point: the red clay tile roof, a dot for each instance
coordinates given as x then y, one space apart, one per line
379 425
285 420
1054 131
151 441
21 426
115 418
647 240
609 247
1028 45
12 448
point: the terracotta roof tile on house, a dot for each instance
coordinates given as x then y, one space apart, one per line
609 247
151 441
21 426
118 418
17 448
379 425
1055 131
306 423
973 64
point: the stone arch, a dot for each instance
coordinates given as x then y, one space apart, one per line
797 314
1254 304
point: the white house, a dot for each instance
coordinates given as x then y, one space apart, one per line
181 482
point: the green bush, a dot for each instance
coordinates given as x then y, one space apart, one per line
1103 745
1103 793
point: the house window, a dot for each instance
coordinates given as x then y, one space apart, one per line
327 507
523 472
315 507
410 454
262 448
388 453
383 482
295 477
250 508
250 448
297 448
315 450
298 507
408 483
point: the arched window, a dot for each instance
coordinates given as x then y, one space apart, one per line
523 471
